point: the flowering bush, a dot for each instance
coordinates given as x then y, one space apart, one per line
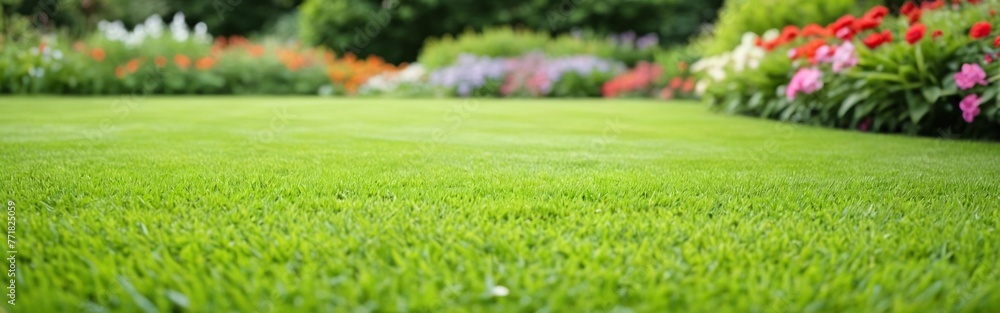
626 47
927 69
532 74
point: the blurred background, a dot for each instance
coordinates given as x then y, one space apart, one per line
401 48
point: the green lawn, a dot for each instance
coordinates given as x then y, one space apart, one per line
310 205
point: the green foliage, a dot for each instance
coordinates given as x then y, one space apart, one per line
757 16
509 42
277 204
397 29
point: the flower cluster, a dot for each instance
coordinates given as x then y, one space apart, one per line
153 27
533 74
639 79
746 56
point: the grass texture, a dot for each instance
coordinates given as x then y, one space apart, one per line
228 204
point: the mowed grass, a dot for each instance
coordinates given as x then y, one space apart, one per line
222 204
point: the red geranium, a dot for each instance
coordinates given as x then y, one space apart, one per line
789 33
877 39
915 15
878 12
915 33
841 28
931 5
936 34
814 30
907 8
996 42
980 30
867 23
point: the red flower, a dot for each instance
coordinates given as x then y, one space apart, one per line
865 23
996 42
874 40
877 13
915 33
980 30
813 30
907 8
676 82
688 85
789 33
914 16
936 34
931 5
843 21
808 50
887 36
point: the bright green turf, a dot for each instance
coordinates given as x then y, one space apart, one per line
574 206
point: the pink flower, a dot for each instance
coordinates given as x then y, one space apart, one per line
970 75
844 57
806 81
970 107
823 54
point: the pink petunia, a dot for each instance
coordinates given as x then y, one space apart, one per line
844 57
806 81
970 75
970 107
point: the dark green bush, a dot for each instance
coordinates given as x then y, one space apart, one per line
396 29
223 17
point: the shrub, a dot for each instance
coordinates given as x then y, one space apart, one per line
897 74
507 42
398 30
741 16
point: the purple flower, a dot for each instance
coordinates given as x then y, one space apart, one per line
647 41
970 107
806 81
970 75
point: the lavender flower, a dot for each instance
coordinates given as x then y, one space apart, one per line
646 41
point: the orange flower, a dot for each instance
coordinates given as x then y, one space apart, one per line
182 61
161 61
79 47
132 66
336 75
255 51
120 72
97 54
205 64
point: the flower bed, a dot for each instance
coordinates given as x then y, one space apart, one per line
159 58
928 70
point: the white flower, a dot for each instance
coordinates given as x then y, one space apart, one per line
36 71
178 28
154 25
201 32
499 291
